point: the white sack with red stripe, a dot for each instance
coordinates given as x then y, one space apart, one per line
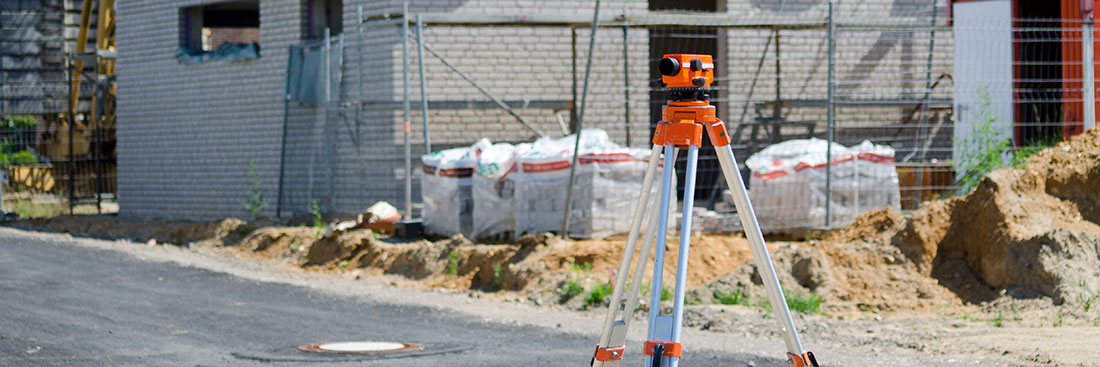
446 189
788 184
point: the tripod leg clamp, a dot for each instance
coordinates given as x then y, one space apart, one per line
804 360
672 349
608 354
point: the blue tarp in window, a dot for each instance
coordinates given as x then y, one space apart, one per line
227 51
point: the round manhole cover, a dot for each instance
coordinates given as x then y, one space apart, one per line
358 347
352 351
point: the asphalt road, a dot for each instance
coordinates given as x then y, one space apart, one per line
68 305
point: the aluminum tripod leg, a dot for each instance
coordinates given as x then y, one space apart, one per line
759 250
619 313
664 330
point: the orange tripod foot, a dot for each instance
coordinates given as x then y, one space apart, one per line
804 360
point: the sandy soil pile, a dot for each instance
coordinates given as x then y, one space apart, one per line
1031 232
854 269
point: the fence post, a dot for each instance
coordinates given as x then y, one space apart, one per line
405 91
73 96
830 115
580 122
626 82
1087 65
423 84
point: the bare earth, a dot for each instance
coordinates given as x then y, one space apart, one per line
1006 275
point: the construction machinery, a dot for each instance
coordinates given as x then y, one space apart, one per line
687 113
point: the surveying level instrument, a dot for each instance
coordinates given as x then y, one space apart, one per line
687 113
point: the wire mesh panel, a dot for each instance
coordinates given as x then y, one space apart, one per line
886 83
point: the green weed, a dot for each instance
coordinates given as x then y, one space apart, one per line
318 223
570 289
254 202
580 268
452 263
666 293
984 151
999 320
596 296
732 298
805 303
497 270
1085 299
1058 321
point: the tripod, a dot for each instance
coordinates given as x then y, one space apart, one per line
685 116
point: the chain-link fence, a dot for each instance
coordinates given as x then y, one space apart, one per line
895 78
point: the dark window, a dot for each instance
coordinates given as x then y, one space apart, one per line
205 28
686 5
321 14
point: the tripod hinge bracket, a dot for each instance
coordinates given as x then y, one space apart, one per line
609 353
672 349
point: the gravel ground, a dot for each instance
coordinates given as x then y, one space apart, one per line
713 331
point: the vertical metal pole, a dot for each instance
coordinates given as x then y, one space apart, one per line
1088 65
830 117
423 84
406 125
330 128
286 121
777 109
580 122
360 70
96 142
626 82
573 73
73 96
924 104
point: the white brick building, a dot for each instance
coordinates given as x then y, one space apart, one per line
187 132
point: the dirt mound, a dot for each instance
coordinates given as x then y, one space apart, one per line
278 242
108 227
534 263
849 277
1032 232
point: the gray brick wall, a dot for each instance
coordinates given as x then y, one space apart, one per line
187 132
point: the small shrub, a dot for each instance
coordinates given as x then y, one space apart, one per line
452 263
570 289
984 151
254 200
19 122
597 295
23 158
732 298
